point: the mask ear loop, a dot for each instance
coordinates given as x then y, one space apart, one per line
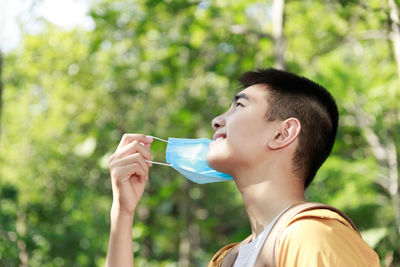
156 162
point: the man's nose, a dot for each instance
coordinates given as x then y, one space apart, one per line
218 122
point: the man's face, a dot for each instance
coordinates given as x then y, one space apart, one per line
242 133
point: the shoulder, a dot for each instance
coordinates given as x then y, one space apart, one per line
217 259
323 238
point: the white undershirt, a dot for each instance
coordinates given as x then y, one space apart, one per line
248 253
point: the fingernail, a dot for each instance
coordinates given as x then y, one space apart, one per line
149 138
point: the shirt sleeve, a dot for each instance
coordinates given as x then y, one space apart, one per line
324 242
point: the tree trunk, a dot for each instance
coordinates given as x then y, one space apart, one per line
185 210
386 154
394 181
1 88
278 14
21 230
392 153
395 32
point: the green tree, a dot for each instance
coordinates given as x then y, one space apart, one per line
166 68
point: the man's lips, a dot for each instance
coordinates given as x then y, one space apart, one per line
219 136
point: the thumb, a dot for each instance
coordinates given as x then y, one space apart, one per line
149 140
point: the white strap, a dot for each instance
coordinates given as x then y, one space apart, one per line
156 162
158 138
159 163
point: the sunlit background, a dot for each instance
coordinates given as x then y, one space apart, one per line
76 75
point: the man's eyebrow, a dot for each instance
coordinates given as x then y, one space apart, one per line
239 96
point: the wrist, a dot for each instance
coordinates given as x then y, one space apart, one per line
121 221
117 211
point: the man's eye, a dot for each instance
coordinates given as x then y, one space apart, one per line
239 104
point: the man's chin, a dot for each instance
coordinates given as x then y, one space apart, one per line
217 163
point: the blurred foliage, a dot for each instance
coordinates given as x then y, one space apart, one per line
166 68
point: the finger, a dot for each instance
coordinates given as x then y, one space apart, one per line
139 172
132 148
140 175
138 182
130 159
127 138
147 145
122 174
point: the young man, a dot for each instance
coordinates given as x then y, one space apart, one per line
277 133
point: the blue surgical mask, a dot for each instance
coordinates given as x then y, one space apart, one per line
188 157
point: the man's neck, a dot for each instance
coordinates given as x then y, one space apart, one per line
265 197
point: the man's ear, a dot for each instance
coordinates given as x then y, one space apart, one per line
286 134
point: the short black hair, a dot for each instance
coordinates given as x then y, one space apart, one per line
290 95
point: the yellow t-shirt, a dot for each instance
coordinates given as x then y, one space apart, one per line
317 237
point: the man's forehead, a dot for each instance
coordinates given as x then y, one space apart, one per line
255 91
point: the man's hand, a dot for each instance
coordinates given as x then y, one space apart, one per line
129 172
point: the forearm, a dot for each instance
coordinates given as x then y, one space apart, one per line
129 173
120 250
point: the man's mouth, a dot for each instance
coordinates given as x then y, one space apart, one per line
219 136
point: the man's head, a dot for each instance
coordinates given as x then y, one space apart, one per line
290 99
